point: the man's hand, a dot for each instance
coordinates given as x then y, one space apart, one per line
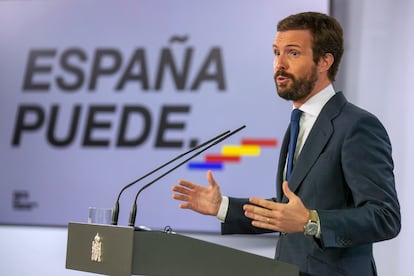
204 200
283 217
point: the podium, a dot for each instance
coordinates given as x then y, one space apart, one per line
123 251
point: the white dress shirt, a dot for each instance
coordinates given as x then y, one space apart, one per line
311 109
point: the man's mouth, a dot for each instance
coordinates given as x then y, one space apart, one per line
282 79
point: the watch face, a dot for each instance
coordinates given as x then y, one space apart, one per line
311 229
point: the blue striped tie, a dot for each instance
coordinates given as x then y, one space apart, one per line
294 131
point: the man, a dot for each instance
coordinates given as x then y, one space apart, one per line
340 197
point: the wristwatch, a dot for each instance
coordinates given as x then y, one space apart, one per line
311 228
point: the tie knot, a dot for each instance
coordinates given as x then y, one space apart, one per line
295 116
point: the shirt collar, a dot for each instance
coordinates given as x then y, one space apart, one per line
314 105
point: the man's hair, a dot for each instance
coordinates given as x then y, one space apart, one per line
327 35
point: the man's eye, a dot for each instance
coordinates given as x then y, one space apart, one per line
276 53
294 53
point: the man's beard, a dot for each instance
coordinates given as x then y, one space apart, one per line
299 88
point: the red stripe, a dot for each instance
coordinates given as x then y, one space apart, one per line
221 158
260 142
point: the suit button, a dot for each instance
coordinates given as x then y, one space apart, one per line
343 241
340 241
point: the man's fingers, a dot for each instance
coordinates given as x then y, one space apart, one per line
257 216
286 190
262 202
185 205
255 212
181 190
187 184
181 197
211 179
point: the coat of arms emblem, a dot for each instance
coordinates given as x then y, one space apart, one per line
96 254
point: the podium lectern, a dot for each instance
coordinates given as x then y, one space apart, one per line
123 251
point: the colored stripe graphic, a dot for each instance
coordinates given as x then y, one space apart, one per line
221 158
250 150
233 153
260 142
205 166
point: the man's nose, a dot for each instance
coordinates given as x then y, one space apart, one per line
279 63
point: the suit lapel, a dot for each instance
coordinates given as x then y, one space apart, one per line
318 137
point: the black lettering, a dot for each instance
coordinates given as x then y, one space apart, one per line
167 61
146 126
33 67
214 59
165 125
99 69
68 66
138 59
93 124
74 123
29 118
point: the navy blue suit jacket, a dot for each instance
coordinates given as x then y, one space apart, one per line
345 172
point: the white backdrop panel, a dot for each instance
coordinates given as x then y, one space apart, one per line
73 73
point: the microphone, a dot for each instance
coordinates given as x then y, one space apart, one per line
133 213
115 211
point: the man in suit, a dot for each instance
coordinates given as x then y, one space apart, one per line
340 197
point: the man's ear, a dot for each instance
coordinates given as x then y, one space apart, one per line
325 62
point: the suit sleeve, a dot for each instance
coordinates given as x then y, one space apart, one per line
367 166
236 222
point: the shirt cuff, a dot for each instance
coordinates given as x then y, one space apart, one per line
222 212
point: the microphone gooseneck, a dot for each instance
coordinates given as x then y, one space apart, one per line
115 210
133 213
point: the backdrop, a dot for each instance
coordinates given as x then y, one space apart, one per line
95 94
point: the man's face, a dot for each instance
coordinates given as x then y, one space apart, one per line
295 73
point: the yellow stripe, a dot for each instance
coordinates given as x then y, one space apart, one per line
250 150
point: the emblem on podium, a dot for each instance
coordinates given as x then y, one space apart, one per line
96 250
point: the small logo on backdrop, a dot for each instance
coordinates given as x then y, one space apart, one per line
96 252
232 154
21 200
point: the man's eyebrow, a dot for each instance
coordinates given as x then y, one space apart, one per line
288 46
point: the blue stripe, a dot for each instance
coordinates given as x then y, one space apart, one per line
205 166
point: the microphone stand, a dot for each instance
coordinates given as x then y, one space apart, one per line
133 213
115 211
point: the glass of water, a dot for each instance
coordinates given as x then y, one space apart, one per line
99 215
